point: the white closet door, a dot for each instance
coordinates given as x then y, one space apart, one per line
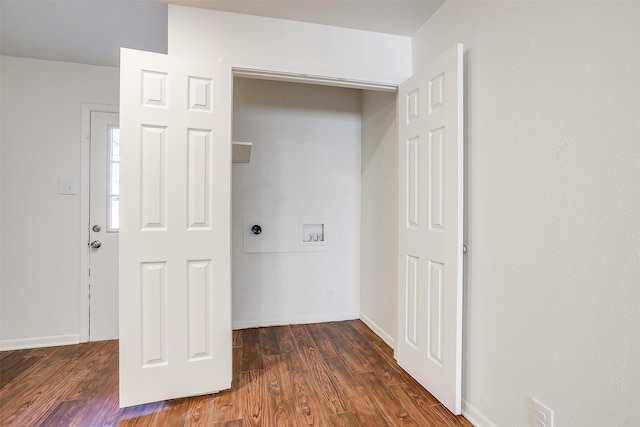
175 299
430 231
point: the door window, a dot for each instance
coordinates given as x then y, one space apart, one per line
113 180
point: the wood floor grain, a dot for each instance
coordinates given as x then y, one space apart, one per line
324 374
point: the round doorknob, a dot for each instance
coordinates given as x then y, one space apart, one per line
256 229
96 244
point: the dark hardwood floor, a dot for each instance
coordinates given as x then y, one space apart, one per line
325 374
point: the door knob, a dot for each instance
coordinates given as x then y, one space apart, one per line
96 244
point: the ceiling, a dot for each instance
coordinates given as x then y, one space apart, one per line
92 31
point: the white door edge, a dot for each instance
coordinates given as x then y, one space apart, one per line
85 162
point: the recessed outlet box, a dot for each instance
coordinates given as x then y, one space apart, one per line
542 415
312 232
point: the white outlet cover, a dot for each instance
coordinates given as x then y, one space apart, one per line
67 186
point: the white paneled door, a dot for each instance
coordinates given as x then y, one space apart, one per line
103 226
175 286
429 344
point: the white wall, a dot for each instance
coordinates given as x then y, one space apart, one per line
40 134
288 45
379 224
305 163
552 292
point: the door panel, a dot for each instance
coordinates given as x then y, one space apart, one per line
430 229
103 204
175 299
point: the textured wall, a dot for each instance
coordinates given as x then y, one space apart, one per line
553 149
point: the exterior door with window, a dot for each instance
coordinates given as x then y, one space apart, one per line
104 202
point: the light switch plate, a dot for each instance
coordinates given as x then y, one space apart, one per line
67 186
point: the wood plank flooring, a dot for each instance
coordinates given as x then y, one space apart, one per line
324 374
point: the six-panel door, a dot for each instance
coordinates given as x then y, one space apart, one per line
175 300
429 342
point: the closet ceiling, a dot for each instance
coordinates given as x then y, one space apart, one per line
92 31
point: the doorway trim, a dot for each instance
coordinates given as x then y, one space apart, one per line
239 71
264 72
85 172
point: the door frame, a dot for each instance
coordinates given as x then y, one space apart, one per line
85 174
256 70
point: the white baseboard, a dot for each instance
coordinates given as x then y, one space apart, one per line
474 416
379 331
105 337
52 341
331 317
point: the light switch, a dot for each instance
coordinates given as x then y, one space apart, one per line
67 186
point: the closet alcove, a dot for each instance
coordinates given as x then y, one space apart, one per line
321 158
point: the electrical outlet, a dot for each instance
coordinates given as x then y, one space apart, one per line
542 415
330 296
